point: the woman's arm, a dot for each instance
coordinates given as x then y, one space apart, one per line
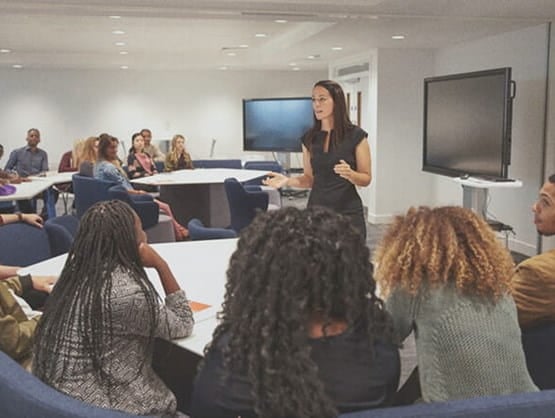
402 307
278 180
30 218
363 174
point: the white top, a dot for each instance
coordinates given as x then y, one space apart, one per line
200 269
200 176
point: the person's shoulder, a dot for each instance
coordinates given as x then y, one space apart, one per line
543 262
356 133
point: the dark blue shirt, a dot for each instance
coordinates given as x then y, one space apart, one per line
26 162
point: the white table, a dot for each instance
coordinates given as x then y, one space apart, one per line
198 193
200 269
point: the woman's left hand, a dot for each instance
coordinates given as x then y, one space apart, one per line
344 170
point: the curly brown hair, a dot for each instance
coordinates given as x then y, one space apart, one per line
438 245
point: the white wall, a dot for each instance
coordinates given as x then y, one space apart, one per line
526 52
399 180
66 105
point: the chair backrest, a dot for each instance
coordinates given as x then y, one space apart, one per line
23 244
230 163
243 204
539 345
159 166
88 191
69 222
22 395
143 204
264 166
198 232
60 238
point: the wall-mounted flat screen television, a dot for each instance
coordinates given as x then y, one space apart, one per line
276 124
467 124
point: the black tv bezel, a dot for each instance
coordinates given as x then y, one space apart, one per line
507 122
276 149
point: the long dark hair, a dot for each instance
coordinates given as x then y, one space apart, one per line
104 142
80 303
289 265
135 135
341 121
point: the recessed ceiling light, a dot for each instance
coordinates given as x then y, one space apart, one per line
223 68
243 46
280 21
337 48
119 44
114 17
296 69
398 37
260 35
311 57
5 51
118 32
17 66
123 52
293 64
124 67
231 54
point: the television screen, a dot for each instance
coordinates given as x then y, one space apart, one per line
276 124
467 124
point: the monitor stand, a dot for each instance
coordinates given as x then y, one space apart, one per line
284 158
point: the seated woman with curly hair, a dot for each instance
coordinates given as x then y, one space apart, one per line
446 277
302 333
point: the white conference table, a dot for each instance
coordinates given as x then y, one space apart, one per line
38 184
198 193
200 269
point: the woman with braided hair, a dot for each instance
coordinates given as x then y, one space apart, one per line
302 333
95 339
446 277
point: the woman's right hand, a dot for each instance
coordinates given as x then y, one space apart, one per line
275 180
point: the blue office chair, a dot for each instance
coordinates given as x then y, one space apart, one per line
61 232
159 166
23 244
229 163
244 203
88 191
539 345
22 395
143 204
199 232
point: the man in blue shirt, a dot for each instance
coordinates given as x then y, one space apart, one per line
29 160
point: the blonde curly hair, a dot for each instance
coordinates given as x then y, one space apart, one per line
438 245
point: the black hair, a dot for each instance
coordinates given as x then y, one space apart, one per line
79 306
289 265
552 178
135 135
341 121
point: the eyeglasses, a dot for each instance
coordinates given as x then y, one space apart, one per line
321 100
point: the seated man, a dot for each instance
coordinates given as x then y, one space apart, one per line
17 319
534 280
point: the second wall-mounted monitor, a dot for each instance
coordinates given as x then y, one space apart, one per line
467 123
276 124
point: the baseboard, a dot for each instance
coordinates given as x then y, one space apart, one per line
380 219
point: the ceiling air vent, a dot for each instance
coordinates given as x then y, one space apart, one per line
353 69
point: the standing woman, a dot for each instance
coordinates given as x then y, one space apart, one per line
96 336
336 157
139 163
178 158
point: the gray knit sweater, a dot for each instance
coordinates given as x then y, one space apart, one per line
466 346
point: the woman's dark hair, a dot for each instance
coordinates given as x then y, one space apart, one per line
341 121
290 265
135 135
80 303
103 144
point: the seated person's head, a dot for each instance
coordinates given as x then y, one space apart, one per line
294 269
544 208
433 246
108 148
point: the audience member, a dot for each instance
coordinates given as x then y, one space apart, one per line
446 277
139 163
178 158
17 319
96 336
69 161
302 335
89 154
108 168
151 148
27 161
533 284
